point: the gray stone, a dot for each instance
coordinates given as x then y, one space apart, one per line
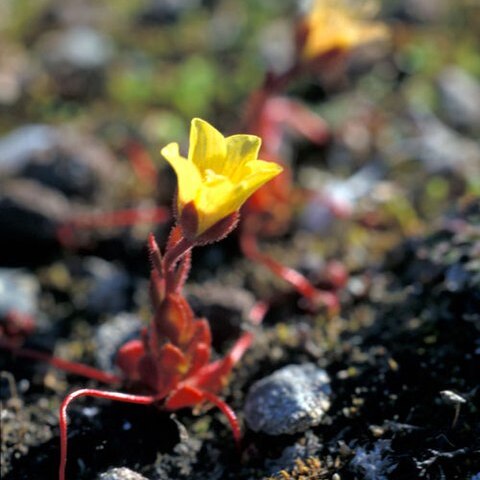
441 149
290 400
81 47
29 216
19 292
76 59
78 165
17 147
122 473
459 97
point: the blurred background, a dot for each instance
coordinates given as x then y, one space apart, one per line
90 91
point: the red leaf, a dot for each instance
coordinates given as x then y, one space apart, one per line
128 358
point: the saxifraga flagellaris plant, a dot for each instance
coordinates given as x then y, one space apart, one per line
170 363
327 34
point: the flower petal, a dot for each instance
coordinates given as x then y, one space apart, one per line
255 174
188 176
241 149
207 146
213 202
259 173
340 26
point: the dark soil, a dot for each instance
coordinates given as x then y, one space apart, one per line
413 333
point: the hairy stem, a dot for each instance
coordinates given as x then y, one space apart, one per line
299 282
88 392
229 414
258 311
273 84
119 218
174 254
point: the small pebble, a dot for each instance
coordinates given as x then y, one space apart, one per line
442 149
452 398
80 47
18 292
75 164
290 400
122 473
459 97
18 146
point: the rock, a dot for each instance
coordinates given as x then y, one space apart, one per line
459 98
111 335
80 47
18 293
441 149
122 473
336 197
290 400
29 216
74 164
76 59
17 147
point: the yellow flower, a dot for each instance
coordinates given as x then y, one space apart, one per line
340 25
219 175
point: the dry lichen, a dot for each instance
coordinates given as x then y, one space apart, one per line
308 469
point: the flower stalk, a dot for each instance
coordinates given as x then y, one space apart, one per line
171 361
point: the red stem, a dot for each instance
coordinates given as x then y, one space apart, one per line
174 254
249 246
258 311
65 365
299 282
181 274
276 83
240 347
272 85
88 392
119 218
155 255
142 163
229 414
